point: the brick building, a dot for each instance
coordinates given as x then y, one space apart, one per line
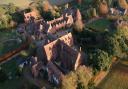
63 57
29 15
65 21
57 54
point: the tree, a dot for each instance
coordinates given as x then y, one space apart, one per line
94 13
69 81
4 22
100 60
2 11
78 25
109 2
123 45
18 17
78 79
123 4
13 23
112 46
46 10
115 42
32 48
84 75
103 8
47 6
12 8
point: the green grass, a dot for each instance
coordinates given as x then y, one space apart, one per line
5 44
11 67
11 84
4 35
99 25
116 79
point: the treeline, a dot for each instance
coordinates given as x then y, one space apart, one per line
10 16
96 8
46 10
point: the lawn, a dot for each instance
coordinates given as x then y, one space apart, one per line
4 35
116 79
19 3
99 25
11 84
10 68
25 3
7 43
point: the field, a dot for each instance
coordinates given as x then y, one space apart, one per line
99 25
25 3
5 35
10 68
116 79
7 42
20 3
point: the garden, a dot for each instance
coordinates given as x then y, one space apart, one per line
99 25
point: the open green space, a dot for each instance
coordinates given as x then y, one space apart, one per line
8 41
116 79
5 35
11 84
11 69
19 3
25 3
99 25
10 66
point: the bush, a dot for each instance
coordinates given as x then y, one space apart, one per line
78 79
100 60
69 81
115 42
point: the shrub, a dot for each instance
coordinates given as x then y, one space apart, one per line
69 81
100 60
